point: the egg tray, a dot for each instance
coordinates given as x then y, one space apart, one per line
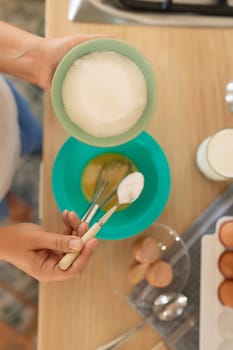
183 333
211 278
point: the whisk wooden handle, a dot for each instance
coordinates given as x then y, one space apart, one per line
68 259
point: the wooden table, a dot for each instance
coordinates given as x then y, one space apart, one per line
192 68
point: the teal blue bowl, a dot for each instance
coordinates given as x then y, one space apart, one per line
149 158
103 44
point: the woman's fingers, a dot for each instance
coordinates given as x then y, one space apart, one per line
78 227
72 224
52 264
80 263
73 221
67 227
57 242
81 230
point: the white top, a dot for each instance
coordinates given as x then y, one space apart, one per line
9 137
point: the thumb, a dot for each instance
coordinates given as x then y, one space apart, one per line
58 242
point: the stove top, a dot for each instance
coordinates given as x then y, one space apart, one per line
201 7
154 12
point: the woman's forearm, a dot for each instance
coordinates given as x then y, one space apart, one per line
21 53
34 58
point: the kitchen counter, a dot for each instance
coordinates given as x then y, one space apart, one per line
192 68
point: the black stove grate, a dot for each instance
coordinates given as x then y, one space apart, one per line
219 8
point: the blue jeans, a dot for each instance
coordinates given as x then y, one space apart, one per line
30 134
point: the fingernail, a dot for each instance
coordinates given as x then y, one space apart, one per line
75 244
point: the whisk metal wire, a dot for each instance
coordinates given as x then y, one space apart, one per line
108 172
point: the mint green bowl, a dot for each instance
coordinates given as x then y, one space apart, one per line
149 158
103 45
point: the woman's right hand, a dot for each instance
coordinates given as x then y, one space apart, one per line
37 252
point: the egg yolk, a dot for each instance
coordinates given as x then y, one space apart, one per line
109 168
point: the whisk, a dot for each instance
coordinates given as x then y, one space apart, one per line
109 176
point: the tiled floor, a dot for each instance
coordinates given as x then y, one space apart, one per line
18 292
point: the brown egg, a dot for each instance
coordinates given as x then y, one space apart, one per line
225 293
159 274
137 272
226 264
146 250
226 234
